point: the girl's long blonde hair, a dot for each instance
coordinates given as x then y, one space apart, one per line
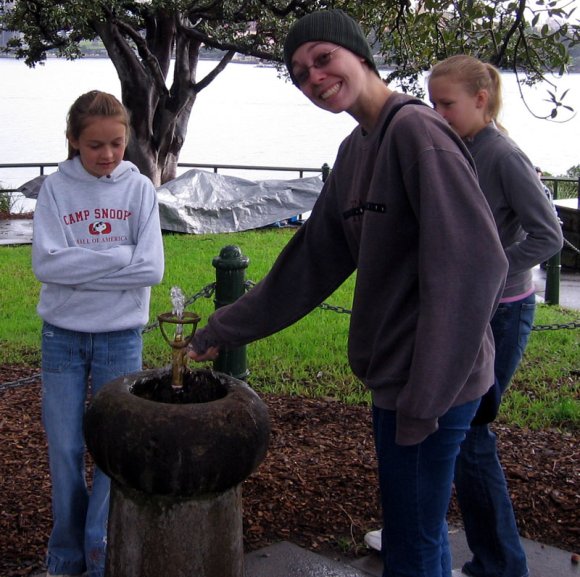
475 76
87 106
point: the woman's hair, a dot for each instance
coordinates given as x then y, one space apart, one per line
475 76
86 107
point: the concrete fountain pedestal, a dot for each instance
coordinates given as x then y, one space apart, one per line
176 458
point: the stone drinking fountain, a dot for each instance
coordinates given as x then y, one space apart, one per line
177 444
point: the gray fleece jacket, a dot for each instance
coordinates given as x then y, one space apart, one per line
528 227
406 212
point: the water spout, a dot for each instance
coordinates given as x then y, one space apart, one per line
179 343
178 302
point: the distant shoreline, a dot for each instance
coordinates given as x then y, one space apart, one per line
240 59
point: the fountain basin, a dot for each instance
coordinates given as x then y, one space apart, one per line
205 437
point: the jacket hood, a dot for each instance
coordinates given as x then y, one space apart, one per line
74 169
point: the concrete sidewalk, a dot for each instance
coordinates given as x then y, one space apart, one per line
285 559
543 560
16 231
569 288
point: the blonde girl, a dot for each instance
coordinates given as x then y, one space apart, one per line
467 94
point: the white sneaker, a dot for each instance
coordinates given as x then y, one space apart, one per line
373 540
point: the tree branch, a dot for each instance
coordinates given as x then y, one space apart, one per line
519 18
229 46
208 78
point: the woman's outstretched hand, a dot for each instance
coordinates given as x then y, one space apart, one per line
210 354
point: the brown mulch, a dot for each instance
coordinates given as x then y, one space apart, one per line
316 487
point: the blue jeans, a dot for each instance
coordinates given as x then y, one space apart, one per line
415 484
482 492
79 534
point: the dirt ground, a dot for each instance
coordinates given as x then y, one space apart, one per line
316 488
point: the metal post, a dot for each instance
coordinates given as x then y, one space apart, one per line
325 172
553 268
230 267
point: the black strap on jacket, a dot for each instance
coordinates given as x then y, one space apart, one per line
394 111
373 206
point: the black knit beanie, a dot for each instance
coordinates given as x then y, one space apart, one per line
333 26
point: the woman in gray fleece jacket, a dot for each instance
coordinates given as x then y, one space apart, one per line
403 208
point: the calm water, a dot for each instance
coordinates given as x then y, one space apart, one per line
246 116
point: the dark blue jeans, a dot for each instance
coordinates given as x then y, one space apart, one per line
415 484
482 492
79 533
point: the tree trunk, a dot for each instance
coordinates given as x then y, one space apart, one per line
158 116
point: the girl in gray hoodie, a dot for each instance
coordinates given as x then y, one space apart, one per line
97 249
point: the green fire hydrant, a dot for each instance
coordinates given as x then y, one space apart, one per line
231 267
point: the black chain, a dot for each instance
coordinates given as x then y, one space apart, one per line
343 310
14 384
570 245
556 327
208 291
336 309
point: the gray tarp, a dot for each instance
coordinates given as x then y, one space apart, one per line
30 189
199 202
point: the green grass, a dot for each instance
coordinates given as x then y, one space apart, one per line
309 357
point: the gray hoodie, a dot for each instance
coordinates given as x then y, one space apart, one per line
97 248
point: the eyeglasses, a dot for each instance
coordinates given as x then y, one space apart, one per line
320 62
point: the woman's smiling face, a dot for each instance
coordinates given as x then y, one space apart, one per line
329 75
